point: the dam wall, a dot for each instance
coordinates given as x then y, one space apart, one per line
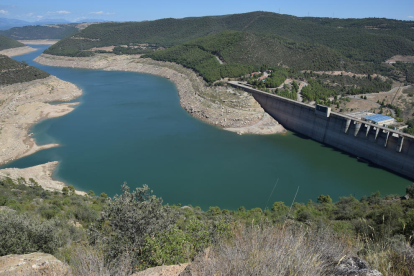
382 146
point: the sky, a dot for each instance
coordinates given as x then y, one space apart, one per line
139 10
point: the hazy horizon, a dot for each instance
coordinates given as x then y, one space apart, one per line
125 10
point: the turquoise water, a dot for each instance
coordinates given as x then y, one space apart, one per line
130 127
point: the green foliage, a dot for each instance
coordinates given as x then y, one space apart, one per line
317 90
324 199
176 245
21 234
41 31
12 71
7 43
71 190
410 191
128 219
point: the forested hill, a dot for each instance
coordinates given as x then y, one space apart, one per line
7 43
41 31
362 39
12 71
241 52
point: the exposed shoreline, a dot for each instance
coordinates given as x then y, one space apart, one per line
224 107
42 174
17 51
23 105
40 41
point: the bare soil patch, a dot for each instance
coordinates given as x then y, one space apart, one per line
394 59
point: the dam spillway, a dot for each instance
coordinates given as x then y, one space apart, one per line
382 146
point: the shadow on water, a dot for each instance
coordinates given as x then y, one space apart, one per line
358 159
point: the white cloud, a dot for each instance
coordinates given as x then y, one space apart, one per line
101 13
3 12
39 16
59 12
410 16
30 14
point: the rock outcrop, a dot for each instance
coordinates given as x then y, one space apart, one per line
354 266
32 264
170 270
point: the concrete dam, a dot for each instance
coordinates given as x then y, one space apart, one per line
380 145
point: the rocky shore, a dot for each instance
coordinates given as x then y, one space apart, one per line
222 106
40 41
17 51
21 106
42 174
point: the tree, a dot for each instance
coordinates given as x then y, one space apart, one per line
324 199
103 195
65 190
71 190
91 193
279 208
410 190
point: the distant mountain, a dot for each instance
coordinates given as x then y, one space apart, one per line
252 40
91 21
50 22
45 31
6 23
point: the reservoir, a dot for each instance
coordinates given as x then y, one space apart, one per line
131 128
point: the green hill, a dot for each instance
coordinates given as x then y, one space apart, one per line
12 71
41 31
360 39
241 52
7 43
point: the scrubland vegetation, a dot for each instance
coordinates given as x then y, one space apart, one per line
246 41
99 235
12 71
41 32
7 43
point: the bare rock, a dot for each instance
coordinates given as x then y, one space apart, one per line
6 209
354 266
171 270
32 264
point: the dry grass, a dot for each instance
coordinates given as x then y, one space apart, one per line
275 250
391 258
89 261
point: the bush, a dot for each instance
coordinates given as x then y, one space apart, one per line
410 191
127 220
21 234
275 250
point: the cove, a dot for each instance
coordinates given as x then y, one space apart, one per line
130 127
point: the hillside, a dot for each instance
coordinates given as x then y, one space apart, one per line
41 31
241 52
352 38
135 230
12 71
7 43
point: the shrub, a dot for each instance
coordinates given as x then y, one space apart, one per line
274 251
127 220
410 190
21 234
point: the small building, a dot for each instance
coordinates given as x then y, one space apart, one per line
379 119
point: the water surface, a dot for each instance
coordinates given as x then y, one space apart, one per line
130 127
